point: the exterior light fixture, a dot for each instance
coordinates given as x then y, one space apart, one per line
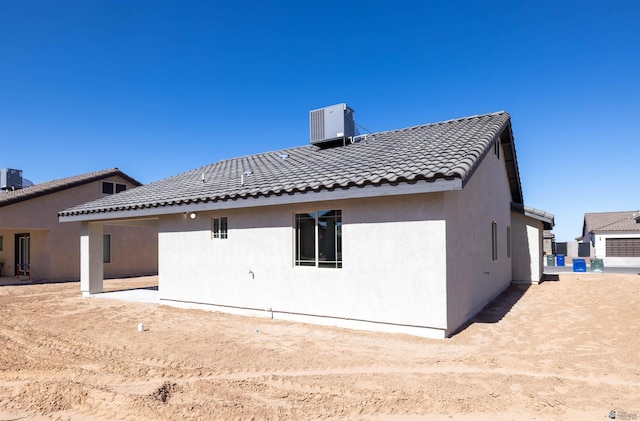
192 215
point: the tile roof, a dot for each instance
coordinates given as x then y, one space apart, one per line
450 149
8 197
546 217
611 221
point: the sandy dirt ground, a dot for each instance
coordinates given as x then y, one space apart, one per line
567 349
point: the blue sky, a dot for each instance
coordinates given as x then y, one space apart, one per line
160 87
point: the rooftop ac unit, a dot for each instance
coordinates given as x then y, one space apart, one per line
332 123
10 179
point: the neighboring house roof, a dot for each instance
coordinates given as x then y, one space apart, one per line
611 221
547 234
447 150
546 217
8 197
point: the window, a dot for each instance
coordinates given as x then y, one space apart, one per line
219 227
496 148
508 241
494 241
106 248
0 243
318 239
109 187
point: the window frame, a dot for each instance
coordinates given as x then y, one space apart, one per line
106 248
220 228
494 241
326 240
113 187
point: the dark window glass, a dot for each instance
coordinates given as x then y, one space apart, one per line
494 241
106 248
120 187
219 227
223 227
321 232
330 238
107 188
306 239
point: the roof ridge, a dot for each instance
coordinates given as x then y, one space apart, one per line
438 123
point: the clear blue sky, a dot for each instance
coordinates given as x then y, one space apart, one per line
160 87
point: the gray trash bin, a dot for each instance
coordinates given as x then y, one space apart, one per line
597 265
551 260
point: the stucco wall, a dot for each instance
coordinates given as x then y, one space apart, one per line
474 278
600 250
526 240
393 268
55 246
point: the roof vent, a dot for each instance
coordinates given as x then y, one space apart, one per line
10 179
330 124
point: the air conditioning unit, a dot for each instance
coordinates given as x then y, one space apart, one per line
330 124
10 179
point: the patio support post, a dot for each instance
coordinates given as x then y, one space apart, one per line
91 258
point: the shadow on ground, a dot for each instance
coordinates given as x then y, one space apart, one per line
501 305
10 281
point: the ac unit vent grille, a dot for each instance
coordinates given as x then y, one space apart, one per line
317 125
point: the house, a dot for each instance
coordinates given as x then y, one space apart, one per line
35 245
614 237
411 231
548 241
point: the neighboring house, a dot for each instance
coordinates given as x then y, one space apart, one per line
410 231
548 240
33 243
614 237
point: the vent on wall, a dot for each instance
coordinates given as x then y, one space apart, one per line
10 179
330 124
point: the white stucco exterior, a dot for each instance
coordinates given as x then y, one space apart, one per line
598 248
382 281
527 263
418 263
419 257
474 278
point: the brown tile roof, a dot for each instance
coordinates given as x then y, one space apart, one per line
611 221
8 197
446 150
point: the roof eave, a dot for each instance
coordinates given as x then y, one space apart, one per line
354 192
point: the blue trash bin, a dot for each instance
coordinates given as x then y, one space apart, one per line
579 265
560 259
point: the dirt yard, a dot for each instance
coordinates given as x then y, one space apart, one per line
567 349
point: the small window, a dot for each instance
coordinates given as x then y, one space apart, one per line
219 228
496 148
107 187
106 248
1 243
494 241
508 241
318 239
